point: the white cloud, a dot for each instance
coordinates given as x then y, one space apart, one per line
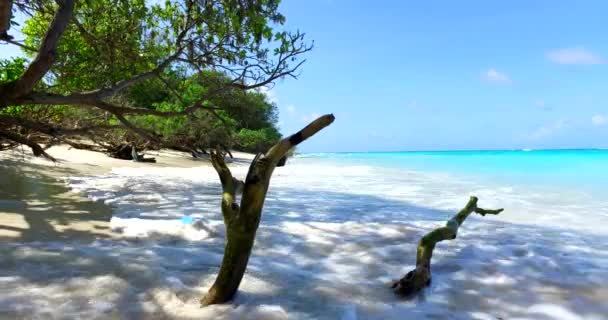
494 76
270 94
548 130
574 55
599 120
291 109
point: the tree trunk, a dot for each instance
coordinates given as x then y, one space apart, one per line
420 277
5 18
242 221
236 255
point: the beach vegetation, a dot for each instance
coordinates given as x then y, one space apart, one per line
187 75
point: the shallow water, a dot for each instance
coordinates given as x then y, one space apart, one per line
579 169
557 188
331 240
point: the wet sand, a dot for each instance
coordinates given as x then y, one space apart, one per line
36 205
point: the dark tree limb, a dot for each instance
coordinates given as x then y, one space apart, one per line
227 150
88 100
17 43
5 19
242 222
46 54
420 277
83 146
121 85
51 130
140 131
36 148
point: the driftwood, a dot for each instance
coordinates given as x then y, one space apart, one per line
282 162
136 157
123 151
127 152
242 220
420 277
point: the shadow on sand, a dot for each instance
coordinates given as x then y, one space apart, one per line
38 207
327 255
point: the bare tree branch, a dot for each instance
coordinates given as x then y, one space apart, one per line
106 92
280 149
142 132
36 148
85 100
46 128
230 208
420 277
17 43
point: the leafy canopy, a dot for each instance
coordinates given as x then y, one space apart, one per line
156 71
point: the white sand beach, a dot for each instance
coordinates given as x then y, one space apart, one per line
415 160
332 239
37 205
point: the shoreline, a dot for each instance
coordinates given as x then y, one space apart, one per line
36 204
323 226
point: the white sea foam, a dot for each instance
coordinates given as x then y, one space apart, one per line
331 240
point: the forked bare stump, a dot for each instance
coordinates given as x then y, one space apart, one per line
420 277
242 221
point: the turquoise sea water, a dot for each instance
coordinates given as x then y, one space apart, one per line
583 169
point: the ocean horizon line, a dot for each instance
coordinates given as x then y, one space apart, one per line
459 150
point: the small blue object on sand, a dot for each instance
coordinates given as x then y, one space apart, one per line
187 220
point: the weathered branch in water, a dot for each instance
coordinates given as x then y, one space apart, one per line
242 222
420 277
280 149
230 208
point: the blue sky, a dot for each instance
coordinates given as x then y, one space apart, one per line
445 75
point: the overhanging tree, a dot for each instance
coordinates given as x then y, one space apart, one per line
86 55
243 115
